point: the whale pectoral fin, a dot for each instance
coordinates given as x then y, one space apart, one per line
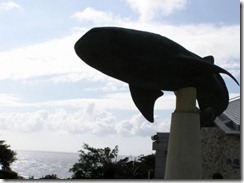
144 100
209 59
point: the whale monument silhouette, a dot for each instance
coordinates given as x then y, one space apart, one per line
150 63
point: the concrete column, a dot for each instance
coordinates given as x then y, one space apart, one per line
161 146
184 149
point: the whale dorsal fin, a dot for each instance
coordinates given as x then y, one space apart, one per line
144 100
209 59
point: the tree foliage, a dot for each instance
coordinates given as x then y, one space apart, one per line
102 163
139 168
50 176
94 163
7 156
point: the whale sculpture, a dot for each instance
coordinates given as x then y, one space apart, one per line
150 63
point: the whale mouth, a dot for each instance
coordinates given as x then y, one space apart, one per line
84 47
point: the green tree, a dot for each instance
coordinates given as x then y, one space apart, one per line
7 156
127 169
140 168
50 176
147 166
98 163
95 163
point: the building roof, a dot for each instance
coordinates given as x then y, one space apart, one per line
233 110
229 120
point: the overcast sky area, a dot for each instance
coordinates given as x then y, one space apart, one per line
51 100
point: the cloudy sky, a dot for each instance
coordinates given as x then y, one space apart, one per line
51 100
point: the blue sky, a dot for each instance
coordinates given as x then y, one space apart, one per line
51 100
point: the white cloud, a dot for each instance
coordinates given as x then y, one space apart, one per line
111 101
90 117
9 5
148 9
89 120
44 59
139 126
111 85
7 100
53 61
23 122
98 17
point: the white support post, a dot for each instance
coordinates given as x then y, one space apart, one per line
184 149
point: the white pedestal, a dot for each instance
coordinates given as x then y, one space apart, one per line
184 149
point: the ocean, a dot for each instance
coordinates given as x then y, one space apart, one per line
37 164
